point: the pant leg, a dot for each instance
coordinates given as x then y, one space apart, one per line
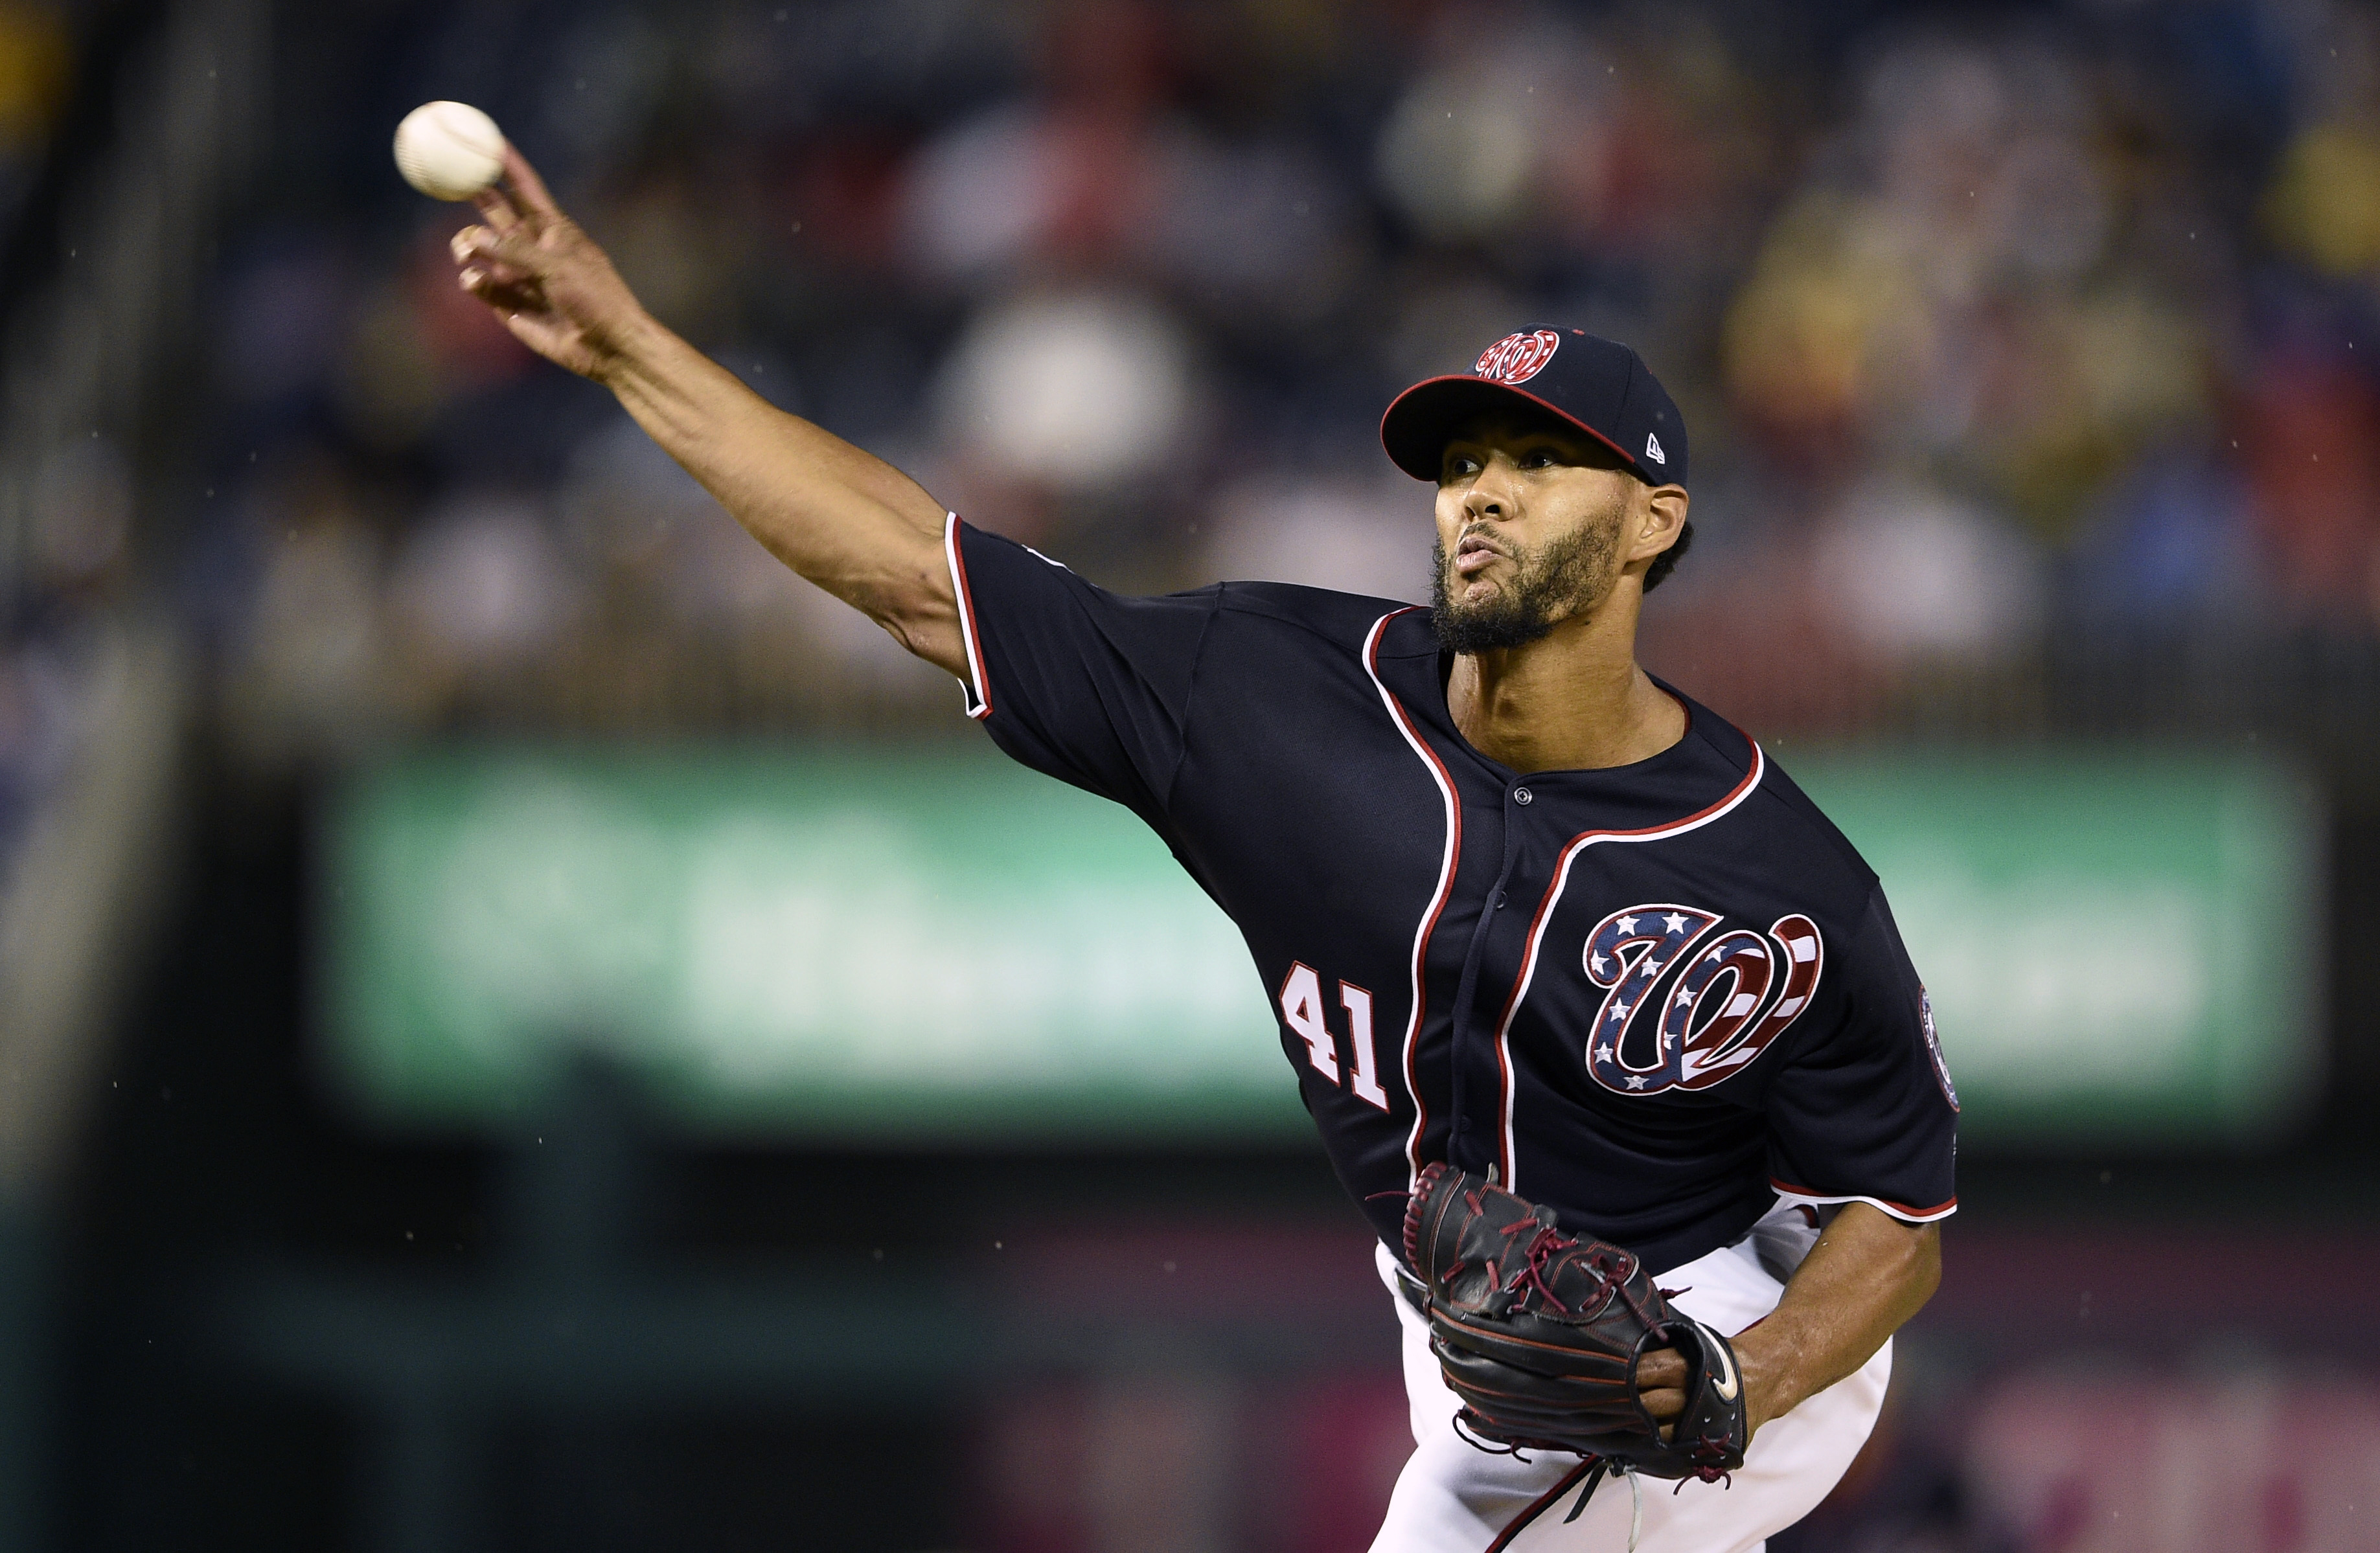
1452 1497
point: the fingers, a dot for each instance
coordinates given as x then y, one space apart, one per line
503 294
520 195
502 285
1661 1369
527 185
496 208
487 245
487 267
1662 1382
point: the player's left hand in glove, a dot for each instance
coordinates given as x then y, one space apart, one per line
1541 1334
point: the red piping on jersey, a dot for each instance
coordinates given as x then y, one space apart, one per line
1543 1502
982 708
1941 1210
1577 844
1453 854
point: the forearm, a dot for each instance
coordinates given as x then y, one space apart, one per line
849 522
839 516
1867 1274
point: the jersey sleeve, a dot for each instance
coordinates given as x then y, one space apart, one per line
1089 687
1867 1113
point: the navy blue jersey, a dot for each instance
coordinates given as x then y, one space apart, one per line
1655 998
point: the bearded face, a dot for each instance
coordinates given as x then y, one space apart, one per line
1548 583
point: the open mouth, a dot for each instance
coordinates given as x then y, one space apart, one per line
1473 554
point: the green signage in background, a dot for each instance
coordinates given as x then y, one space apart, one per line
2120 946
891 944
872 944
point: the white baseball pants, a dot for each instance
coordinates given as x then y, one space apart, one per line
1453 1498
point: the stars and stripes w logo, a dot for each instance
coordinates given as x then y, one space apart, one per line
1687 1007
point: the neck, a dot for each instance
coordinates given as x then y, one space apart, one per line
1575 699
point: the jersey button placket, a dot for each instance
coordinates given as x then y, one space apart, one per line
1497 897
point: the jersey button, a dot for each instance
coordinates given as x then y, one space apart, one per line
1523 795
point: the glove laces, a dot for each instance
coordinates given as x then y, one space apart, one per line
1547 1246
1635 1496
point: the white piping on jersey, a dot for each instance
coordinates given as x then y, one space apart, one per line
1545 915
979 695
1905 1214
1445 878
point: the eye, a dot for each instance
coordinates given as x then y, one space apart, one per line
1458 465
1538 459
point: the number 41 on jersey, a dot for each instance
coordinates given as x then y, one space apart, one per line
1301 1009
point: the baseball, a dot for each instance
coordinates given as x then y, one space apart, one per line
449 151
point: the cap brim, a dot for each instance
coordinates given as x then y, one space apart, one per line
1424 418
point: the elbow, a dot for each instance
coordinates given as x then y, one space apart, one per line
907 606
926 624
897 626
913 617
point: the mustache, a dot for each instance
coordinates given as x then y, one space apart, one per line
1484 535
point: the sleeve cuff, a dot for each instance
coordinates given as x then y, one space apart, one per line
973 687
1787 1193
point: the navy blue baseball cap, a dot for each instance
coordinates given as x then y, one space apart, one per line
1600 386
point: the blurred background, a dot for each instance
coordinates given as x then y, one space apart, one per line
522 1027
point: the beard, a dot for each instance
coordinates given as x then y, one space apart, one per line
1549 584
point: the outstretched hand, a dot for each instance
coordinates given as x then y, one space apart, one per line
552 287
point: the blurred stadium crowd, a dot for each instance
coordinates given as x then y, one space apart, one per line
2000 331
2028 350
39 690
2019 326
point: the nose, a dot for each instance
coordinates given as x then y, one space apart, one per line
1489 497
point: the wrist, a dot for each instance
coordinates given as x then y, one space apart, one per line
626 353
1772 1382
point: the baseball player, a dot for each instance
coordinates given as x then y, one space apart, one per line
1522 912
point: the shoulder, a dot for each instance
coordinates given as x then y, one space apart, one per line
1345 619
1794 831
1791 807
986 565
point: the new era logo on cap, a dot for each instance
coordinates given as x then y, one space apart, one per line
1597 385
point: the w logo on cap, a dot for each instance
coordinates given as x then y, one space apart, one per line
1653 449
1517 357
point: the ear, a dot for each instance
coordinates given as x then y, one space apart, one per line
1655 519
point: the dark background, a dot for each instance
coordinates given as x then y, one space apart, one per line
2027 353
